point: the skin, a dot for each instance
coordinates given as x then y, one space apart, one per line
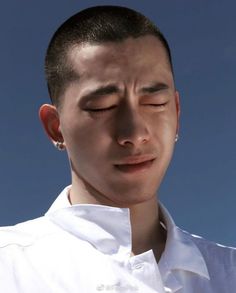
132 118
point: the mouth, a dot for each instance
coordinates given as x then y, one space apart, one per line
135 164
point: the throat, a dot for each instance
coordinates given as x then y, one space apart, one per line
157 245
147 231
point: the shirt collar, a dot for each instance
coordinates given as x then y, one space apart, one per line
109 230
181 253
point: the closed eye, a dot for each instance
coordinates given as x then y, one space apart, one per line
100 110
156 105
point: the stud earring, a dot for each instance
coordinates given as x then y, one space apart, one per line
60 145
176 137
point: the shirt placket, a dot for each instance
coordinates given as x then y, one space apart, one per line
144 268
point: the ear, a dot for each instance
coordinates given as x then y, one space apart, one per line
177 103
49 117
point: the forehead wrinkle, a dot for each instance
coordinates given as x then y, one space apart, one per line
108 57
111 59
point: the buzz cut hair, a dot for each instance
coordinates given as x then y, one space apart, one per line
94 25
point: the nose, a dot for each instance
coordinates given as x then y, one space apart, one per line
132 129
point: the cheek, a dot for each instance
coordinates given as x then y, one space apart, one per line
85 139
164 126
164 131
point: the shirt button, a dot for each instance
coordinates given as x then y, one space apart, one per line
138 266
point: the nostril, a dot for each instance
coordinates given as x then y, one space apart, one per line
133 140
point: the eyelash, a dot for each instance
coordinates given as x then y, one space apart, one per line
112 107
156 105
100 110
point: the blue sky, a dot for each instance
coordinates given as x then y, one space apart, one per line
200 186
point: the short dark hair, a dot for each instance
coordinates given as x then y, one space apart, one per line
93 25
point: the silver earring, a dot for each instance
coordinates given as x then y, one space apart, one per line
176 137
60 145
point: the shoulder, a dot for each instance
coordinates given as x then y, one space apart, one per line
215 254
26 233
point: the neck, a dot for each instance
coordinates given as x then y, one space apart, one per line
147 232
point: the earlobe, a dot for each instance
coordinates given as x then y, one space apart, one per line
49 117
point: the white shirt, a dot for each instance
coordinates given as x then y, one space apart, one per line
86 248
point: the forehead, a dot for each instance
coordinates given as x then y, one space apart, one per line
127 59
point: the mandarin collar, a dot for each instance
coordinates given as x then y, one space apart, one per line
181 253
108 229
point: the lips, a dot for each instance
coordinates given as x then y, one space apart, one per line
135 163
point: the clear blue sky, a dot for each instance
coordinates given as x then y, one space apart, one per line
200 186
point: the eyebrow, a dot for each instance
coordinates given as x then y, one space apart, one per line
113 89
101 91
154 87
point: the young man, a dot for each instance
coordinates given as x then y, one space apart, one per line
115 110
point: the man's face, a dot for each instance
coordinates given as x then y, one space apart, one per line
120 118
